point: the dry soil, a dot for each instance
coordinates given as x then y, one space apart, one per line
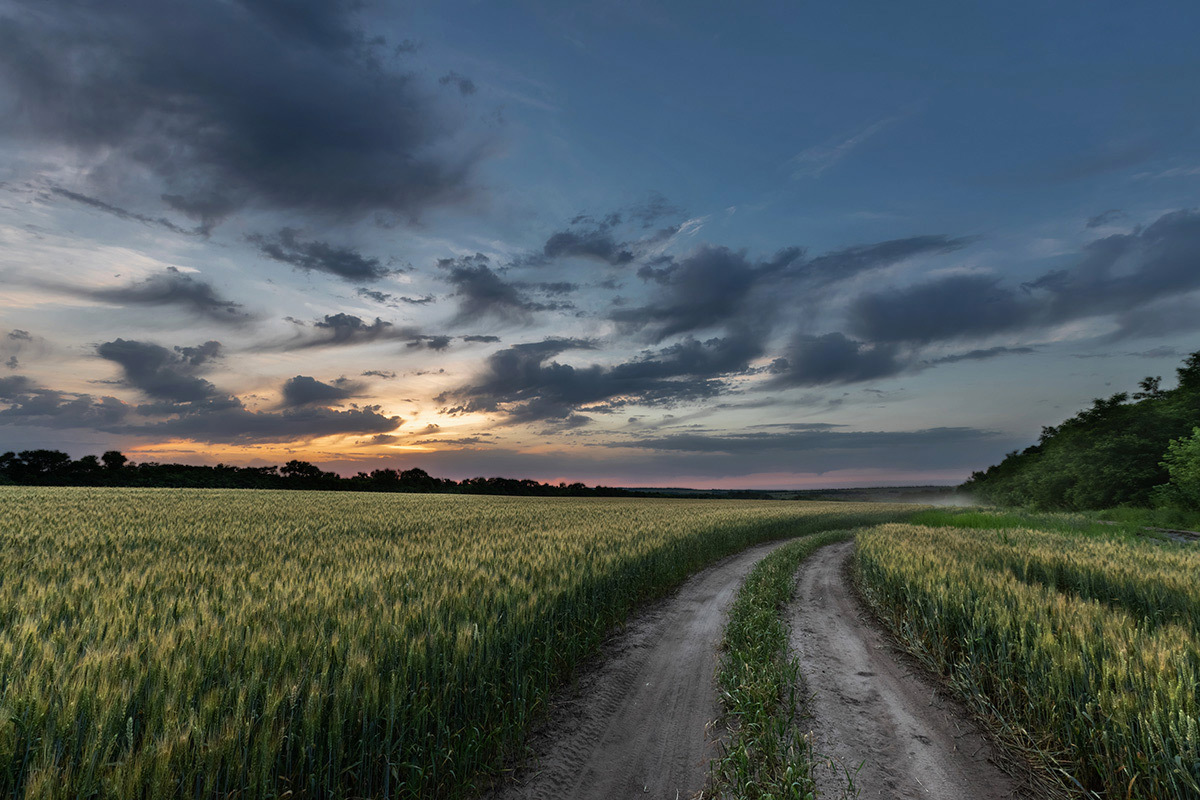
873 715
639 721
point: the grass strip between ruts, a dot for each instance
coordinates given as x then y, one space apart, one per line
767 755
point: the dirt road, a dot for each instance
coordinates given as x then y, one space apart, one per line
638 724
870 708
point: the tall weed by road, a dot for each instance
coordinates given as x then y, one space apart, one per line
1086 649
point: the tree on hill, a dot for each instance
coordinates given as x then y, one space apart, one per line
1107 455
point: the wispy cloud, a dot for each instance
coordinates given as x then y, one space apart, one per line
815 161
1173 172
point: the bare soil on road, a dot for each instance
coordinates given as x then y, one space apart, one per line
639 720
870 705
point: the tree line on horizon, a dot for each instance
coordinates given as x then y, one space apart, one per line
1140 449
113 468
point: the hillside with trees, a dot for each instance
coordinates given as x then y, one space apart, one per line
1139 449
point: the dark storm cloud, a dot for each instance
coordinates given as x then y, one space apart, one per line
483 293
464 84
388 299
805 440
800 426
322 23
1159 352
386 374
483 339
383 298
516 374
937 310
183 405
259 102
379 439
554 287
600 239
170 288
833 358
236 424
347 330
160 373
287 247
200 354
715 286
525 383
436 342
121 213
1142 280
342 329
15 386
18 344
1105 217
33 406
598 243
981 355
303 390
848 262
1123 271
708 288
1168 317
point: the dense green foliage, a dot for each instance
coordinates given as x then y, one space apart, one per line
1083 648
767 755
174 643
1182 463
1108 455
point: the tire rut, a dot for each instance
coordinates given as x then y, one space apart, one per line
639 720
870 707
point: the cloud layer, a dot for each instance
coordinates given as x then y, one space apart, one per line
179 403
229 105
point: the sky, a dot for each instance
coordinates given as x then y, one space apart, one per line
777 245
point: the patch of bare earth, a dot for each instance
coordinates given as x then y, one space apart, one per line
639 720
874 715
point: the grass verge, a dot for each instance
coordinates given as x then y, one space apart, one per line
992 519
767 755
1173 518
1124 522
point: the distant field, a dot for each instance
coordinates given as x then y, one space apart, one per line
1084 644
213 643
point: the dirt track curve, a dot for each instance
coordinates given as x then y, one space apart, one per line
870 708
639 722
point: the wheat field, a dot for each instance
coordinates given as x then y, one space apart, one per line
1085 650
257 644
